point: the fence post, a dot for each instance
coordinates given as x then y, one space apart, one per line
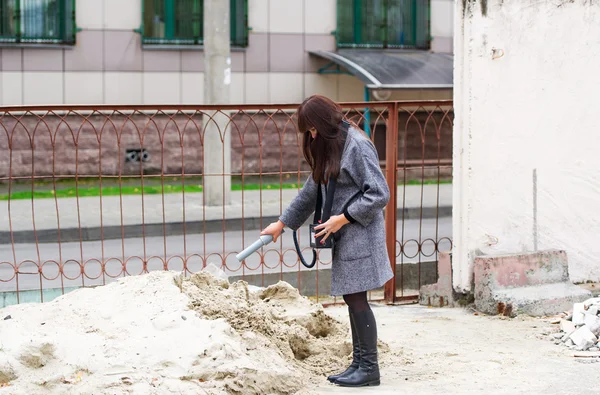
217 84
391 163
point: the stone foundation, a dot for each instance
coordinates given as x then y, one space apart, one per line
441 293
537 284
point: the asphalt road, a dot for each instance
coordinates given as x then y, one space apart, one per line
160 252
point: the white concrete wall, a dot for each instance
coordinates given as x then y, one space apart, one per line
532 110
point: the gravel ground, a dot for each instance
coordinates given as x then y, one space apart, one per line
456 351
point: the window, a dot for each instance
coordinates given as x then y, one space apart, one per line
37 21
383 24
179 22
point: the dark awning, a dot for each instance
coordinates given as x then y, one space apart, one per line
385 69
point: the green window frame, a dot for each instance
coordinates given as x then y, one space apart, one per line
37 21
383 24
180 22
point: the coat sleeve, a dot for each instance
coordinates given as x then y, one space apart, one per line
302 206
366 173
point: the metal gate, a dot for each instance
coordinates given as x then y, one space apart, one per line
94 193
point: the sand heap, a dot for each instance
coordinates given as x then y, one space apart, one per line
162 333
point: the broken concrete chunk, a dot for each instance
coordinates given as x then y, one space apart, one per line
569 316
582 332
583 338
592 322
567 326
591 302
587 354
578 313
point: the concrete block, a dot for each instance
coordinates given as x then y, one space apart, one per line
578 313
592 322
583 338
519 270
567 327
536 284
441 293
591 302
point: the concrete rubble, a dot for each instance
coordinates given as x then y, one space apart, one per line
579 329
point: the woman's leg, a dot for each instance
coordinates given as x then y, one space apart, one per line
355 301
366 330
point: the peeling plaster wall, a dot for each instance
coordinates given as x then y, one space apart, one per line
527 134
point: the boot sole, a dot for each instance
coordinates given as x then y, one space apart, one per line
373 383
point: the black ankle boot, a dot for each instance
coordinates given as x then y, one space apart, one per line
355 352
368 370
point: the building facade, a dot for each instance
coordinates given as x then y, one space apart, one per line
150 51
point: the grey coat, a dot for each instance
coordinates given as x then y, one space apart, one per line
360 258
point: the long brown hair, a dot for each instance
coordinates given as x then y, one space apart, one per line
323 153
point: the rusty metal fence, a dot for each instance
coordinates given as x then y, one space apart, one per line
90 194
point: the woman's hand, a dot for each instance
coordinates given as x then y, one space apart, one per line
274 230
334 224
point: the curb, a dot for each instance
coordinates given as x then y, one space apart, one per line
308 282
176 228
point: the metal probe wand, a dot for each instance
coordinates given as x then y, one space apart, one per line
261 242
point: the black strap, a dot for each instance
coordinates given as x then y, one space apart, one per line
330 188
318 206
325 213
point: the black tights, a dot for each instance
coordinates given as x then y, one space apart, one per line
357 302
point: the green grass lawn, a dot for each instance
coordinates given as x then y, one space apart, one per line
45 191
130 190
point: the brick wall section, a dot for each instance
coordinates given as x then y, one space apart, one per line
420 136
97 144
92 145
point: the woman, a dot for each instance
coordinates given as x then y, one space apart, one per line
335 148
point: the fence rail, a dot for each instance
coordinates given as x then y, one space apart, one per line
94 193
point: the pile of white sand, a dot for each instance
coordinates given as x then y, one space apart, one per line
160 333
